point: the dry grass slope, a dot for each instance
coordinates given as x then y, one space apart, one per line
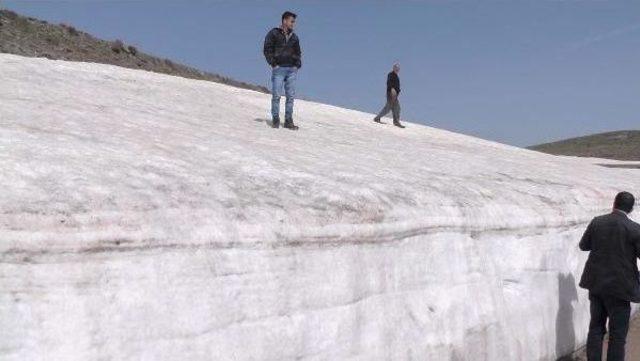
622 145
27 36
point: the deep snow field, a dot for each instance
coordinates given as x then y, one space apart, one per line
150 217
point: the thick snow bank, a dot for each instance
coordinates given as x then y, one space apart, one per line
148 217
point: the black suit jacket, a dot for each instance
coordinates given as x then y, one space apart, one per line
613 242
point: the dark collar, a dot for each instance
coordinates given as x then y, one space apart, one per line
620 212
284 32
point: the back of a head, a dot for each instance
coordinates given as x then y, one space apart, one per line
624 201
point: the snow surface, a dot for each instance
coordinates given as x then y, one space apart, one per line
150 217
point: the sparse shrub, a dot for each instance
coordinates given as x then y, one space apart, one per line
117 46
52 40
11 15
23 24
169 63
132 50
73 31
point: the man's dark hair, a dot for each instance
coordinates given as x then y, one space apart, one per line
288 14
624 202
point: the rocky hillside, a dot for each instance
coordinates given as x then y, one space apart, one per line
622 145
31 37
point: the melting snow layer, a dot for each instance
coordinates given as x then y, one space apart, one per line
150 217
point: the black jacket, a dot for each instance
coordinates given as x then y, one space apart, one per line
280 51
393 81
611 269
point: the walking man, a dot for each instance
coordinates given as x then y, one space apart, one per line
282 52
611 276
393 104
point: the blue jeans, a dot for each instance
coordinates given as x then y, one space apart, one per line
283 75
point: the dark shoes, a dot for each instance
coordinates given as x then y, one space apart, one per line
288 123
395 122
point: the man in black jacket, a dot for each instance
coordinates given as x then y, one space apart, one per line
282 52
393 104
611 276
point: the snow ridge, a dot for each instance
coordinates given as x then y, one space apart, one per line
150 217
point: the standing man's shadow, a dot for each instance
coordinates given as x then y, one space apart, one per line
565 334
269 122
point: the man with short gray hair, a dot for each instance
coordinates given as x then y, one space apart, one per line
393 104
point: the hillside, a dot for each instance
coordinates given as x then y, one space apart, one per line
31 37
621 145
152 217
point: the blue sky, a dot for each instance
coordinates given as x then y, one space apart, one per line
519 72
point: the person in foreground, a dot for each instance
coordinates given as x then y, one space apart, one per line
282 52
393 104
611 276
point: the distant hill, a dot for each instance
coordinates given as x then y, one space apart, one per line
28 36
621 145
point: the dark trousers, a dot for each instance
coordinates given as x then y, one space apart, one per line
392 105
618 312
